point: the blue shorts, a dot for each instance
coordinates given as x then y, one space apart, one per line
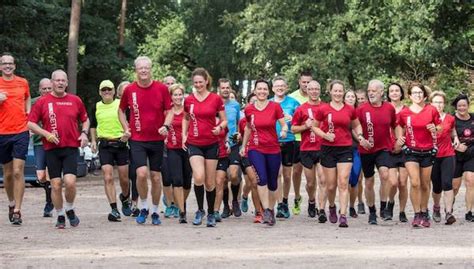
14 146
40 157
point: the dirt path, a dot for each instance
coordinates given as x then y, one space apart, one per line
299 242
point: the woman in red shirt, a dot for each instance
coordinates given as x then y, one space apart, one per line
332 122
179 169
443 168
221 172
416 134
200 133
264 149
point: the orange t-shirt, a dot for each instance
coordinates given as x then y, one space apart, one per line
13 118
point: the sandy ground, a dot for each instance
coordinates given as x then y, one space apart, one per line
299 242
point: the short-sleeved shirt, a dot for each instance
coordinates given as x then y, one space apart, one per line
301 99
337 122
202 116
147 109
37 139
232 112
175 134
417 136
289 106
377 125
309 140
60 116
465 131
104 118
13 118
263 137
445 146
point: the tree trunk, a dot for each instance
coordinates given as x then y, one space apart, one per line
123 13
72 46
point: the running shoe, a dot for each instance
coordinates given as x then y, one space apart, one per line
61 222
372 218
267 216
425 221
211 220
272 218
416 223
258 217
169 211
402 217
226 212
312 210
141 219
361 208
285 210
48 210
236 209
135 211
16 219
114 216
388 211
10 212
322 216
182 218
175 211
469 216
343 221
436 213
352 212
297 208
155 219
217 216
198 217
450 219
332 214
73 219
244 205
279 211
126 208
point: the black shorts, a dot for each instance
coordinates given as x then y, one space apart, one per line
234 156
297 153
310 158
40 157
62 161
287 152
332 155
165 175
464 163
179 171
424 158
210 152
398 159
113 153
376 159
151 151
14 146
244 164
223 164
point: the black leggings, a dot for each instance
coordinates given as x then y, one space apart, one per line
179 169
442 174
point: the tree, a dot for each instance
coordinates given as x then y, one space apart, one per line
72 47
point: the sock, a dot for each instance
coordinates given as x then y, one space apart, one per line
285 200
47 190
211 199
225 196
113 206
383 205
11 203
235 192
69 206
199 192
372 209
61 212
154 209
144 204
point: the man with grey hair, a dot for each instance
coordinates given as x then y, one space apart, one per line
149 102
377 119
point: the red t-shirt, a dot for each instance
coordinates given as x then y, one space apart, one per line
175 135
445 148
202 118
416 135
13 118
337 122
147 110
377 123
263 137
59 115
309 140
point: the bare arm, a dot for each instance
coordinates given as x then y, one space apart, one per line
284 128
328 136
35 128
28 105
185 126
223 123
245 140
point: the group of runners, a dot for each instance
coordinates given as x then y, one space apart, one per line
154 131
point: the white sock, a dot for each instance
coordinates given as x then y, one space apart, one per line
154 209
69 206
61 212
144 203
12 203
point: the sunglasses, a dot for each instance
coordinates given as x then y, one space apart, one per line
106 90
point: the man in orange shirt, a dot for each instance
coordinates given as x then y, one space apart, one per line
15 105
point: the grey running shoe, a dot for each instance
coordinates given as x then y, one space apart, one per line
361 208
211 220
388 211
372 218
322 216
312 210
114 216
226 212
16 219
48 210
73 219
402 217
450 219
236 209
126 205
352 212
61 222
436 213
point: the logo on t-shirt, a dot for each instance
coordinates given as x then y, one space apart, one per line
330 124
370 129
312 135
52 120
193 119
410 132
254 130
174 140
136 112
